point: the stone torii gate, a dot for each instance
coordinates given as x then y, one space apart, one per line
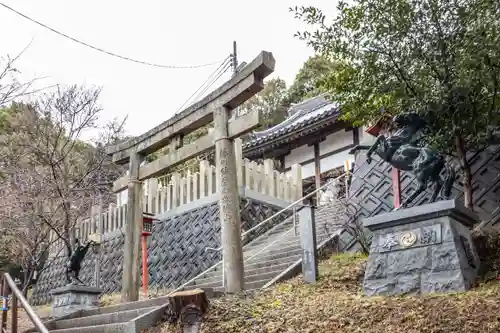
214 107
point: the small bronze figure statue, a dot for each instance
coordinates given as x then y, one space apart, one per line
74 263
401 151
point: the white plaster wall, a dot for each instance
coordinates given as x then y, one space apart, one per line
308 170
332 142
299 155
335 161
336 141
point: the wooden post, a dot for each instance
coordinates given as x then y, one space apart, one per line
131 274
5 304
229 204
396 186
13 319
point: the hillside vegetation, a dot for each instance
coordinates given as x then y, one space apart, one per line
336 304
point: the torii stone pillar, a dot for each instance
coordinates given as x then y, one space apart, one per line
131 272
229 203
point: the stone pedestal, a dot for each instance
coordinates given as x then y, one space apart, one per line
421 250
71 298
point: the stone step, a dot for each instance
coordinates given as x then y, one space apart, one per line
272 258
264 260
250 276
101 319
258 268
248 286
265 266
108 328
278 249
264 243
289 238
145 303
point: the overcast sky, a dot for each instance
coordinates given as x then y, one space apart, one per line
184 32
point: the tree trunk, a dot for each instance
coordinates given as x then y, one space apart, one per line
189 306
467 174
28 274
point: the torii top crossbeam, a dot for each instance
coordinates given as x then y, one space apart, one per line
247 82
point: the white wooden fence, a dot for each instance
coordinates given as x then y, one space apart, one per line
169 192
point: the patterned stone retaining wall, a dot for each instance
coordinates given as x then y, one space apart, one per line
176 250
371 188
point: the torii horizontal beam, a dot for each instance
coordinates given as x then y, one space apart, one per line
236 128
243 85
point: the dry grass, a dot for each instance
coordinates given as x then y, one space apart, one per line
335 304
23 321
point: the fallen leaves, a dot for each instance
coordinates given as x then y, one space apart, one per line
336 304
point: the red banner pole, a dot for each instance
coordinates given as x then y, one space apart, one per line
396 186
145 270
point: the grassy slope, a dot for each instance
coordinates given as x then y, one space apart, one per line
335 304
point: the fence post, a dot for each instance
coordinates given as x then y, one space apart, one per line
182 191
152 192
176 180
297 181
111 215
204 168
268 177
195 186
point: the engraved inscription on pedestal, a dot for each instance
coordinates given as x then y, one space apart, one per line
421 250
404 239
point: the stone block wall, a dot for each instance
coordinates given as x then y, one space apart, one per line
176 250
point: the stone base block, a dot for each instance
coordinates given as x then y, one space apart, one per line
72 298
421 250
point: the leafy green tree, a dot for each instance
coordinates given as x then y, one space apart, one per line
269 102
437 57
309 80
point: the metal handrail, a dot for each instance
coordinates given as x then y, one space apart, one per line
293 204
8 283
270 244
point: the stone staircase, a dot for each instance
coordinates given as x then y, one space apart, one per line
276 255
130 317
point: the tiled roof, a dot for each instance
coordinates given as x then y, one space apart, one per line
306 113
